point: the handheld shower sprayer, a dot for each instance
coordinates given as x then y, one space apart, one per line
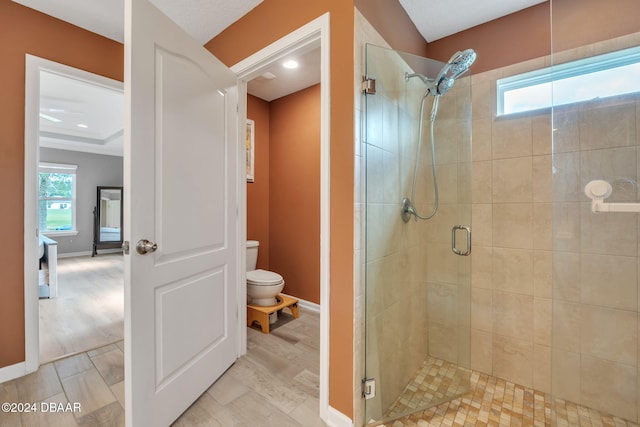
457 65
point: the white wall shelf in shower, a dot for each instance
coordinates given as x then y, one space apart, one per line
598 190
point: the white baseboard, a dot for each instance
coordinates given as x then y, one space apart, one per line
13 371
88 253
336 418
74 254
308 305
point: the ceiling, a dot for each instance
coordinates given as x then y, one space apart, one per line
278 81
80 116
201 19
72 102
436 19
204 19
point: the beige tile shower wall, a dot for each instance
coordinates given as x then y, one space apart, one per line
595 261
448 281
555 287
511 215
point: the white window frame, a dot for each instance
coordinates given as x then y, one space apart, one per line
567 70
45 167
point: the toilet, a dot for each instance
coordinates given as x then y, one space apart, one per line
262 285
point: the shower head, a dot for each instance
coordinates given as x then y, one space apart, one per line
458 64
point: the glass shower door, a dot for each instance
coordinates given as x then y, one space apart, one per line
417 289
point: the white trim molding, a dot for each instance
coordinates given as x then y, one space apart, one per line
311 35
88 253
307 305
13 371
336 418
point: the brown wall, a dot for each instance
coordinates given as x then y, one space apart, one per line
262 26
528 30
580 22
526 34
392 22
294 205
22 31
258 191
283 203
508 40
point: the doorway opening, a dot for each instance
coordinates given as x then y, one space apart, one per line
310 43
73 145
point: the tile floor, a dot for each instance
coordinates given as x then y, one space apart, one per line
275 384
94 379
496 402
435 382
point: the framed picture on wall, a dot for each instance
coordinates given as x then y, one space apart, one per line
250 149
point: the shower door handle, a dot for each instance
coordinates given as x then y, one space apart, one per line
453 240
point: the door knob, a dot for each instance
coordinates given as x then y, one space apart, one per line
144 246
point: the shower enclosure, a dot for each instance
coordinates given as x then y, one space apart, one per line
417 285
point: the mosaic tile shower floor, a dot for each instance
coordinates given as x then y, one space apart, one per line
491 402
436 381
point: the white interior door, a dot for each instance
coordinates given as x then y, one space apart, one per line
181 185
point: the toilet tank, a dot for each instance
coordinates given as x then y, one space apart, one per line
252 254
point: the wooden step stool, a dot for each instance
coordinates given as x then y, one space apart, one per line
260 314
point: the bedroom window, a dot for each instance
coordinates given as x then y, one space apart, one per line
57 199
601 76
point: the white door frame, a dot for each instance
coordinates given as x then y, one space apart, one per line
314 33
34 65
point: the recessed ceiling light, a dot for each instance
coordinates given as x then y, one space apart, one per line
290 64
82 125
50 118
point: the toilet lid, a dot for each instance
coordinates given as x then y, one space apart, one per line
263 277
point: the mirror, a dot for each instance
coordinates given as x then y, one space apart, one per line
107 219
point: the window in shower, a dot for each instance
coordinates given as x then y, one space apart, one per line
597 77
